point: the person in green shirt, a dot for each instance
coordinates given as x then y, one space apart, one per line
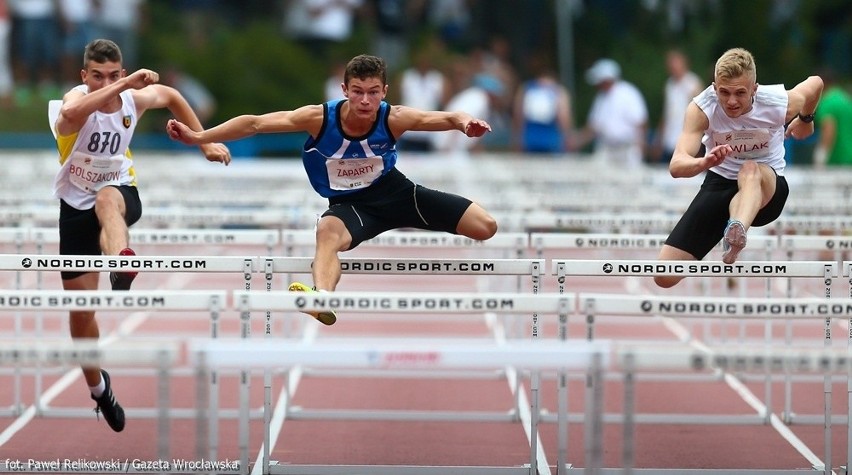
834 121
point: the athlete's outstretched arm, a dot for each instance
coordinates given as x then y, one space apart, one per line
404 118
304 119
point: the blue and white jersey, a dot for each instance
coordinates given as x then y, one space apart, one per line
338 164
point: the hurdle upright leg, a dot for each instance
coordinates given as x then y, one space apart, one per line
245 377
848 271
827 375
267 377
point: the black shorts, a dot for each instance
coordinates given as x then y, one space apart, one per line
80 231
395 202
703 223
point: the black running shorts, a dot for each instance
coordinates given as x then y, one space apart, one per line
395 202
703 223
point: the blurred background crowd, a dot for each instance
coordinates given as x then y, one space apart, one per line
551 76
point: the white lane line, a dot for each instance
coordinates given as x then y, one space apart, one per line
127 326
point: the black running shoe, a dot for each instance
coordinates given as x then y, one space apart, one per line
109 407
122 280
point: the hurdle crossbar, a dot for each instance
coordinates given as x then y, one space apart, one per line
302 265
797 242
61 352
715 307
53 262
417 354
621 241
421 302
648 268
94 300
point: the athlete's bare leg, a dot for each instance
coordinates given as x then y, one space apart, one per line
110 209
477 224
83 323
332 238
670 253
756 184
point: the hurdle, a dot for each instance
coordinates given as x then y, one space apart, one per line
46 352
581 355
801 308
533 268
16 237
161 264
413 303
562 268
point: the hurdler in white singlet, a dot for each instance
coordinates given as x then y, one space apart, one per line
97 155
756 135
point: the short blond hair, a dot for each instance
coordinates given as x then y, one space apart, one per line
734 63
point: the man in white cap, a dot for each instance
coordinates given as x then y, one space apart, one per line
618 118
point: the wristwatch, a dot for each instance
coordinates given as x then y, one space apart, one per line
808 118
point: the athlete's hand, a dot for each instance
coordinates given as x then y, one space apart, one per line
717 155
181 133
143 77
798 129
216 152
476 128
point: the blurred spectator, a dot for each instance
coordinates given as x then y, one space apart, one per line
194 91
119 21
834 124
424 87
334 81
618 119
393 20
7 85
542 119
452 20
320 24
76 19
681 86
199 19
496 60
37 38
481 100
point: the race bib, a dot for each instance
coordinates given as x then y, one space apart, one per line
747 144
353 173
93 173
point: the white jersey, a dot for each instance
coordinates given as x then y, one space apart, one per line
678 93
97 155
756 135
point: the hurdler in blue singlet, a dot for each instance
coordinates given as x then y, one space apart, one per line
338 164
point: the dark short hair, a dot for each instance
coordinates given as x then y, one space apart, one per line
365 66
101 51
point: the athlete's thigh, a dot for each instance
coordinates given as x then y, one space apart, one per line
360 220
773 208
438 210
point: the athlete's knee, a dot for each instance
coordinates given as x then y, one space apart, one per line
332 232
106 201
749 171
666 282
485 228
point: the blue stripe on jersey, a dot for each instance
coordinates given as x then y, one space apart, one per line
330 145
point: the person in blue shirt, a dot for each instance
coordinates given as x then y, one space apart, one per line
350 158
